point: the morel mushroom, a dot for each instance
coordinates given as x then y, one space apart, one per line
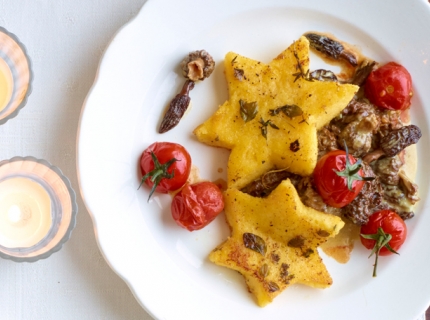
387 169
264 185
332 48
362 72
409 188
198 65
177 108
397 140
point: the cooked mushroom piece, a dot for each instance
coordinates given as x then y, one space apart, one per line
326 141
362 72
369 200
397 140
396 199
387 169
373 156
332 48
264 185
323 75
409 188
358 135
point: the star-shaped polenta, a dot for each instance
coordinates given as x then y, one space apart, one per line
274 241
262 140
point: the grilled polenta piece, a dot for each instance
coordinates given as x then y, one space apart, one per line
274 241
272 115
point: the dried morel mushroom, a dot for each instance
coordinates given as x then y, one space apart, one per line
332 48
177 108
198 65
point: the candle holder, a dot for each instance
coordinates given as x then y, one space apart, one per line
37 209
16 76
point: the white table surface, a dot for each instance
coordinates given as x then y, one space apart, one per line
65 40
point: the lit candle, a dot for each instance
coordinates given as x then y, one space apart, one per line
6 84
37 209
16 75
25 213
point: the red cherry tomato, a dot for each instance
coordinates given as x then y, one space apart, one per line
332 187
391 223
384 234
389 87
171 168
196 205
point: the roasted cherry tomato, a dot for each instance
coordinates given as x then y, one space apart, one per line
384 234
165 166
196 205
389 87
338 178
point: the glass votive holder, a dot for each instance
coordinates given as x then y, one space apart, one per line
37 209
16 75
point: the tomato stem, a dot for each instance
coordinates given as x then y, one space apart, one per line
351 171
159 173
382 239
375 265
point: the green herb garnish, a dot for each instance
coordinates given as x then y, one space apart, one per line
264 125
248 110
290 111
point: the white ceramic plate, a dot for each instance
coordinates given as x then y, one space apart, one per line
167 267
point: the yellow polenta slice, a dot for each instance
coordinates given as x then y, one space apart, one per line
264 140
274 241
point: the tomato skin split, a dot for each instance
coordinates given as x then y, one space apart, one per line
389 87
196 205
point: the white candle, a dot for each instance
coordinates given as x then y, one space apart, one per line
25 213
6 84
15 76
37 209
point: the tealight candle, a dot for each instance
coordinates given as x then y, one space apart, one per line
6 84
25 213
37 209
15 75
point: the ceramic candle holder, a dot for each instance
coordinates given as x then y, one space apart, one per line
37 209
15 75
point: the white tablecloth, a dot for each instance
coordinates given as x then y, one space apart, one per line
65 40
